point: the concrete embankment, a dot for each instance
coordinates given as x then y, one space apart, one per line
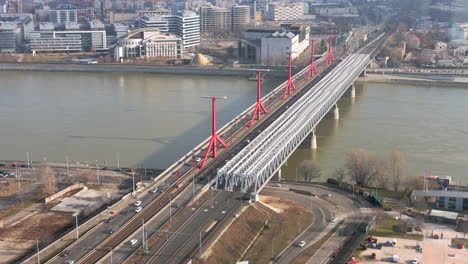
395 79
186 70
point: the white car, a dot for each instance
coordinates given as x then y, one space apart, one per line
414 261
301 244
137 203
333 219
133 242
155 190
70 262
138 209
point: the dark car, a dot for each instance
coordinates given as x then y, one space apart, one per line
2 164
25 165
118 169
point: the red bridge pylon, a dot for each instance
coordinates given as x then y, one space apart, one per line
330 51
312 68
259 107
214 135
290 85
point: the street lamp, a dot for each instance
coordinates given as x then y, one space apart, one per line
299 225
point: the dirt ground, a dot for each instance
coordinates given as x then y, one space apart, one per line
280 230
16 240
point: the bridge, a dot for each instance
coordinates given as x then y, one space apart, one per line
256 164
255 154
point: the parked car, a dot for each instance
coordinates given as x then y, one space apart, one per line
133 241
395 258
333 219
373 256
155 190
414 261
118 169
25 165
301 244
137 203
14 165
2 164
276 185
138 209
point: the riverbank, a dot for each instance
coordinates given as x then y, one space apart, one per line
182 70
395 79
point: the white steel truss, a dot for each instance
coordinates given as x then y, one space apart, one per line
254 165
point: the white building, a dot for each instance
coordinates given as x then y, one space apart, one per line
281 11
61 16
275 47
150 43
270 45
186 25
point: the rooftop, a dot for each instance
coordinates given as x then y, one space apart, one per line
443 214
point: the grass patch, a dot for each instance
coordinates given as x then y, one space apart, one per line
386 230
458 241
16 208
386 193
310 251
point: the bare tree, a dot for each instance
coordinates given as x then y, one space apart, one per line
398 168
48 180
381 174
361 166
339 174
309 170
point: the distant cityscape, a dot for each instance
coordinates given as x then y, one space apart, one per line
256 32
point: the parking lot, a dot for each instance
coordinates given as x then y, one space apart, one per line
405 249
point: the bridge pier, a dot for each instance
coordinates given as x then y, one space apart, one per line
336 113
351 92
363 73
277 176
310 142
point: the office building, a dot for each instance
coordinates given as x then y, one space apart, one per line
14 29
240 16
215 19
68 41
148 43
186 25
10 37
62 16
280 11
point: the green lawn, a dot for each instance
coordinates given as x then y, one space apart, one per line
387 193
458 241
386 230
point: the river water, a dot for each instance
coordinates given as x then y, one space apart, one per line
154 119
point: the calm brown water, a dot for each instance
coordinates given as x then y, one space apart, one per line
154 119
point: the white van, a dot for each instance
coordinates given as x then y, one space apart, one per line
395 258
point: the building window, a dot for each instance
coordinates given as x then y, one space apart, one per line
452 203
441 202
465 204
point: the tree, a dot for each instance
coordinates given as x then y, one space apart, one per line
398 168
381 174
309 170
48 181
339 174
361 166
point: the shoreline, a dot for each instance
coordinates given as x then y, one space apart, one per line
191 70
395 79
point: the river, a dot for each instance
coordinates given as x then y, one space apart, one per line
151 120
